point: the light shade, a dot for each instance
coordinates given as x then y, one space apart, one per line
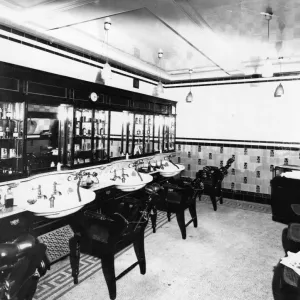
160 88
267 69
279 91
106 72
189 97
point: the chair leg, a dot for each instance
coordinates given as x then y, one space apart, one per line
74 245
139 249
213 201
169 216
108 268
153 217
221 199
181 223
192 209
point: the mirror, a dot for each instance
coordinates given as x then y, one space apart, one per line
149 125
42 136
118 133
138 134
158 133
100 135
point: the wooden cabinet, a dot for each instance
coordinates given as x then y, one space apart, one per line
46 119
284 192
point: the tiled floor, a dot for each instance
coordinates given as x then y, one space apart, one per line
231 255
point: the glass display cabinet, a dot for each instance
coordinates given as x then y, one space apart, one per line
169 133
101 129
158 133
11 139
42 136
91 136
118 133
149 133
138 134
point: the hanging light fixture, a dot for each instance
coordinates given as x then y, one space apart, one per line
159 87
189 97
106 72
279 90
267 68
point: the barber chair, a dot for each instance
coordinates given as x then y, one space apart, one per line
211 179
175 196
100 235
21 265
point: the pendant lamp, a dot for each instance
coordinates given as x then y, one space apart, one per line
106 72
159 87
279 90
189 97
267 68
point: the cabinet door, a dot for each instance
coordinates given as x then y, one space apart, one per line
100 145
48 135
158 133
138 134
118 133
149 133
83 136
285 191
11 139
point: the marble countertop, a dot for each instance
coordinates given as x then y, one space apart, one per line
95 187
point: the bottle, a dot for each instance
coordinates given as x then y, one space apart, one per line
15 134
58 166
1 132
9 198
7 133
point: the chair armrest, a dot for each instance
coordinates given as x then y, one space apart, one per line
296 209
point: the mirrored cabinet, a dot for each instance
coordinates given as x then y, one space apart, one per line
48 121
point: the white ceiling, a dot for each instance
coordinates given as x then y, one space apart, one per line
216 38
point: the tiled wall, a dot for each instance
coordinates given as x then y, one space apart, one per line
251 172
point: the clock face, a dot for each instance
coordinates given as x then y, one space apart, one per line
94 97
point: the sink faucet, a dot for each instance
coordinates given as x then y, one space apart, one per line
135 165
39 193
55 191
123 175
169 159
115 176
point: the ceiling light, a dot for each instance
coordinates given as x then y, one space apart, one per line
159 89
189 97
279 90
106 72
267 68
107 23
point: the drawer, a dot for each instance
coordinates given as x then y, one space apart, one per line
13 226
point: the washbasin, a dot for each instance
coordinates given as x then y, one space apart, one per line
65 202
170 170
133 181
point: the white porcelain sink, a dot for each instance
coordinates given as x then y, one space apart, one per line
133 182
171 170
64 204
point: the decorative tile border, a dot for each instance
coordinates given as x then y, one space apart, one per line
250 175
